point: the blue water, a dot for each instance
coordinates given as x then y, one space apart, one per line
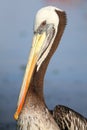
66 77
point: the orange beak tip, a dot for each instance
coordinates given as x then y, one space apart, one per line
16 116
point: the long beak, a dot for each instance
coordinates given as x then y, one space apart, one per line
34 54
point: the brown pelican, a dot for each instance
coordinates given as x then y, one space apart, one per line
32 112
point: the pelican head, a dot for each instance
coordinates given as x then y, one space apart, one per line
49 26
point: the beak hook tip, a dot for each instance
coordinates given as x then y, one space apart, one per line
16 116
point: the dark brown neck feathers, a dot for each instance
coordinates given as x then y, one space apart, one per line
38 77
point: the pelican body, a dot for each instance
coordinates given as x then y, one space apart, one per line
32 112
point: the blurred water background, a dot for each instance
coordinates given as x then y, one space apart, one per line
66 77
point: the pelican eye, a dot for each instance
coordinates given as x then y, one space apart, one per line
41 28
43 23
